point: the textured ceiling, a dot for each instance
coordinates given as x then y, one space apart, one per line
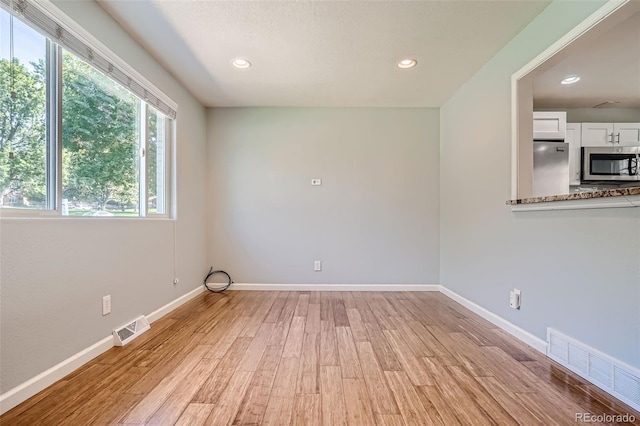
313 53
609 70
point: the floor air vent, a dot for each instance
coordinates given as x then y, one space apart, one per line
127 333
609 374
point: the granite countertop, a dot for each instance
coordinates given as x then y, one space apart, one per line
619 192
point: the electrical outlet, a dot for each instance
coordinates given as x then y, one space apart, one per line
317 265
106 305
514 298
316 182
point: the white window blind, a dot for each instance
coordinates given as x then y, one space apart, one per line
48 20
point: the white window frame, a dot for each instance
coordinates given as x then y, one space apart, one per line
54 122
144 164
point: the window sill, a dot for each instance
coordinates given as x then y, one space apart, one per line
611 198
52 214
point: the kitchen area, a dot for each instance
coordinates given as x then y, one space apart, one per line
586 117
578 157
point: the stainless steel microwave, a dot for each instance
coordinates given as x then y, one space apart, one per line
610 163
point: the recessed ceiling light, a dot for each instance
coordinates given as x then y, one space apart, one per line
407 63
241 63
570 79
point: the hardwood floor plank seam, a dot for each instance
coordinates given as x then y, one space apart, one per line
319 358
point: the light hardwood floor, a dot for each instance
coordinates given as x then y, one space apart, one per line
312 358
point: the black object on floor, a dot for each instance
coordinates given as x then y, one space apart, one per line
217 287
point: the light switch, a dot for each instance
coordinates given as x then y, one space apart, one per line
316 182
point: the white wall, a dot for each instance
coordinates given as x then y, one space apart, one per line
55 271
374 220
579 271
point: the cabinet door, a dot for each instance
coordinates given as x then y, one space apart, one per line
597 134
626 134
549 125
574 134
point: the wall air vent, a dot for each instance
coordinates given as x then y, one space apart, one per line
615 377
130 331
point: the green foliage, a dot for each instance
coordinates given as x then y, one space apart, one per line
99 133
22 131
152 154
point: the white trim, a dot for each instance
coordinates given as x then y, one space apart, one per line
594 19
19 212
517 332
78 31
336 287
584 26
515 146
36 384
159 313
26 390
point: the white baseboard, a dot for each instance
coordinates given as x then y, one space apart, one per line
26 390
159 313
528 338
34 385
336 287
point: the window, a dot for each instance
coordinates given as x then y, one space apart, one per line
79 136
100 135
157 162
23 130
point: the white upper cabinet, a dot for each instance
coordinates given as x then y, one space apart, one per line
597 134
573 137
549 125
626 134
610 134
